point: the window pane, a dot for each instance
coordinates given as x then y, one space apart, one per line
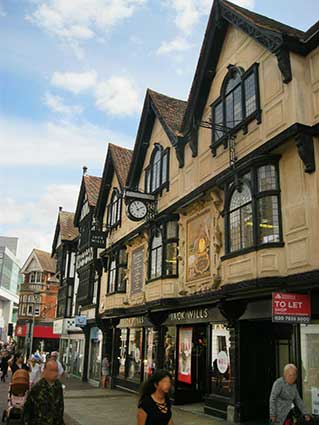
233 82
164 167
221 380
171 259
267 178
150 350
240 198
250 95
309 336
218 118
268 219
172 230
122 353
121 284
134 354
156 171
147 181
237 106
229 111
112 275
241 228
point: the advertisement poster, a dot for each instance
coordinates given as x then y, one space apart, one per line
198 246
185 355
291 308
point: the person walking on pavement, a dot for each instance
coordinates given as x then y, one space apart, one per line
284 396
45 404
105 370
154 406
36 370
55 356
5 357
18 363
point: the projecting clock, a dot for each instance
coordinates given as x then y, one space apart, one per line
137 210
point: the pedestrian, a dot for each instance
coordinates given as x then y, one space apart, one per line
154 407
45 404
5 356
55 356
18 363
284 396
36 370
105 370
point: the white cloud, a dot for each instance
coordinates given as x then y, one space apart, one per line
74 82
54 143
34 222
117 96
75 21
56 104
250 4
179 44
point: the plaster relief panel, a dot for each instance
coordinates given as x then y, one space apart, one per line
296 218
268 262
272 81
274 117
298 252
239 269
315 100
314 67
205 166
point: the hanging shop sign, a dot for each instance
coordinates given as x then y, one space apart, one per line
98 239
137 271
185 355
80 321
291 308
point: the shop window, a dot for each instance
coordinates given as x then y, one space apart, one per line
134 366
238 103
117 272
150 352
156 174
163 251
170 350
122 353
309 335
253 213
220 362
114 209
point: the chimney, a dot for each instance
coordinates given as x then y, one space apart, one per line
60 208
85 170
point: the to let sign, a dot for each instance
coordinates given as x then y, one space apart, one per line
98 239
291 308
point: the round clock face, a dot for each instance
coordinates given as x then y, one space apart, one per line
137 210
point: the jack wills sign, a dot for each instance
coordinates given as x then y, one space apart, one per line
189 316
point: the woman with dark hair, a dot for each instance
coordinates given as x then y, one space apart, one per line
154 407
18 363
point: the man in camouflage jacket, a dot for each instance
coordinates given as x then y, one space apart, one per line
45 405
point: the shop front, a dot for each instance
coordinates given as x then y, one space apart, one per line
95 355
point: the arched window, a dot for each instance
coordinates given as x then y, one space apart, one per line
241 219
114 209
238 103
253 210
156 255
156 174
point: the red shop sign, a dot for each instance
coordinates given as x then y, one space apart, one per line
291 308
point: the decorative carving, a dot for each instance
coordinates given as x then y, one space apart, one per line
304 142
284 64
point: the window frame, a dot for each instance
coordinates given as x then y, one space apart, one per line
246 119
148 171
117 204
162 228
116 256
256 195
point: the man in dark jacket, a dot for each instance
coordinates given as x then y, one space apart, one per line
45 405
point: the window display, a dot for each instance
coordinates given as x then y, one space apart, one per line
135 354
150 350
170 350
122 353
220 374
309 335
185 355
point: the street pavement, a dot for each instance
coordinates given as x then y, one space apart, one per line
86 405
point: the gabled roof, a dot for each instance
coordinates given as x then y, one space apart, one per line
65 228
170 112
122 158
90 186
43 258
118 160
273 35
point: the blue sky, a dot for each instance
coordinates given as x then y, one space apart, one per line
73 75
